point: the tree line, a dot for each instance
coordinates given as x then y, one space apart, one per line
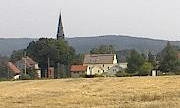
61 56
142 64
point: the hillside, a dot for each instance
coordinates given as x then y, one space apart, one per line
10 44
146 92
84 44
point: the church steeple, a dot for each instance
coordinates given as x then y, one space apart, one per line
60 31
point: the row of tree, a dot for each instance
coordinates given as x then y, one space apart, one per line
61 56
169 61
49 52
142 64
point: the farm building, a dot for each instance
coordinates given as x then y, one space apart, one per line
13 70
113 70
99 63
29 64
78 71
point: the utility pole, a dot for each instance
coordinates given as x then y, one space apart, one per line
8 73
25 71
48 62
58 72
48 65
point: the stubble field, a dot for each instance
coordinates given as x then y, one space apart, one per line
135 92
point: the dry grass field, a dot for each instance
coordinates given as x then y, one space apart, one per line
136 92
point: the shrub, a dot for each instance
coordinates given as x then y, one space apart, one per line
145 69
3 79
98 75
123 74
25 77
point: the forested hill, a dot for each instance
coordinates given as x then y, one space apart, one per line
84 44
8 45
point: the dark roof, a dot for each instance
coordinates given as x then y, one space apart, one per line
13 68
98 59
78 68
29 61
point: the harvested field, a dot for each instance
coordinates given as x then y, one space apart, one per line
135 92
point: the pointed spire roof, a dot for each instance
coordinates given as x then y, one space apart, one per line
60 31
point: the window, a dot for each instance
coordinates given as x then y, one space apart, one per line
114 70
108 68
98 71
103 65
103 71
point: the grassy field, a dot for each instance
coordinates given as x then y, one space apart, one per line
136 92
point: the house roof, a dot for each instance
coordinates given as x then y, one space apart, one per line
78 68
13 68
178 55
98 59
29 61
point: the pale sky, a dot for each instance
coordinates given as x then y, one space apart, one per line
158 19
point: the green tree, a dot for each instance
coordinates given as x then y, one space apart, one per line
145 69
17 55
3 67
122 55
151 59
58 52
32 74
78 59
168 59
135 61
103 49
144 56
177 68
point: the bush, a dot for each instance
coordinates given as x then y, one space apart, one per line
177 73
25 77
145 69
33 75
99 75
166 74
123 74
177 69
3 79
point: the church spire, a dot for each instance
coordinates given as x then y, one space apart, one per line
60 31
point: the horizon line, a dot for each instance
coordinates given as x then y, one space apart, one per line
94 36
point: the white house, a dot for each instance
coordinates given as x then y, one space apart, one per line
113 70
123 65
98 64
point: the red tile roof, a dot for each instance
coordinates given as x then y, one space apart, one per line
13 68
78 68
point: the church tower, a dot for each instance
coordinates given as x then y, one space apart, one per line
60 31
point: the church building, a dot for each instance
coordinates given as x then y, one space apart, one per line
60 31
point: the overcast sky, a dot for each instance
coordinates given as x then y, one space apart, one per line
159 19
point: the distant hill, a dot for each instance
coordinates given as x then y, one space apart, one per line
7 45
84 44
